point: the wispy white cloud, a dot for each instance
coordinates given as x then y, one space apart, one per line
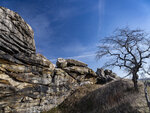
101 7
75 47
82 56
101 10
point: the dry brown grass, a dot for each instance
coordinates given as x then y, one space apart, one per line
148 90
115 97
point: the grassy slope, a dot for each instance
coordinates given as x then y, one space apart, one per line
115 97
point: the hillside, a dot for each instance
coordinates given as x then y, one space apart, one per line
115 97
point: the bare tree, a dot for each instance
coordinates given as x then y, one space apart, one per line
127 49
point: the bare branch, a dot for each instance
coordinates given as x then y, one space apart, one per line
128 48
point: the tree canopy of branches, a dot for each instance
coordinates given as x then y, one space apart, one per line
127 49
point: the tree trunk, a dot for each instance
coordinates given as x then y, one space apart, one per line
134 79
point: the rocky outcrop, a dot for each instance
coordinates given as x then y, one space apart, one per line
62 63
24 75
27 88
15 34
77 70
105 76
17 40
30 83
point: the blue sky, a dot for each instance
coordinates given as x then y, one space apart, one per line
72 28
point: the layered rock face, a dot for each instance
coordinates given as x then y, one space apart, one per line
17 40
16 35
29 83
77 70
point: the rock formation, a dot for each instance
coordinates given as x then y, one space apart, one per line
29 83
77 70
105 76
16 35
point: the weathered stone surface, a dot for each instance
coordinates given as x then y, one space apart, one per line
100 72
15 34
61 63
105 75
80 70
80 73
17 40
61 77
77 70
72 62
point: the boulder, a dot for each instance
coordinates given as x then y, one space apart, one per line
107 72
105 76
100 72
61 63
77 70
80 70
72 62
